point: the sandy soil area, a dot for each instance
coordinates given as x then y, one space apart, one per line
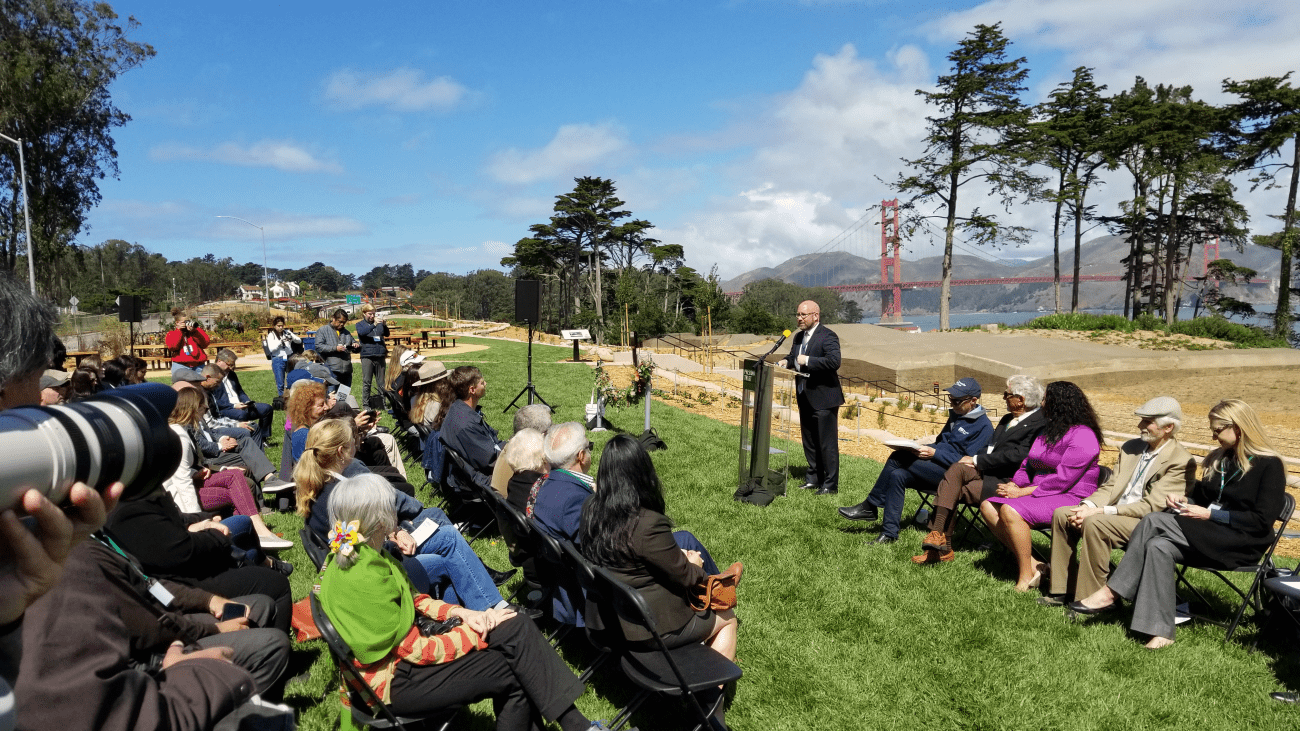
1144 339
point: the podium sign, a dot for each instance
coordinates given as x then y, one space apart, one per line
756 423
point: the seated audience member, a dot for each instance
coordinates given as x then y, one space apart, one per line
533 416
54 388
555 503
335 345
429 391
35 555
1060 469
1151 469
309 404
119 371
196 488
188 343
279 342
190 549
972 480
1225 522
391 628
98 655
965 434
83 383
624 529
212 380
465 430
442 558
395 372
526 452
233 403
140 373
224 446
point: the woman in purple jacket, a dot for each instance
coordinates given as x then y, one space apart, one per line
1061 469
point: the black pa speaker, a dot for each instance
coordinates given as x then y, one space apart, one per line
128 308
528 300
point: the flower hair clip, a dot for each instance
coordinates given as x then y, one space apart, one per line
344 537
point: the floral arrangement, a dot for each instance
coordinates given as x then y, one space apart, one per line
625 396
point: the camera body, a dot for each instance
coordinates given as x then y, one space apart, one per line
117 436
191 324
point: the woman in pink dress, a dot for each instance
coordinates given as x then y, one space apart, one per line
1061 469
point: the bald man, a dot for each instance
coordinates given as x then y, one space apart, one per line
815 359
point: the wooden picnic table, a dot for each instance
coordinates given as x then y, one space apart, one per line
214 347
157 356
79 355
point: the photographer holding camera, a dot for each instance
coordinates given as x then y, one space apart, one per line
187 343
106 647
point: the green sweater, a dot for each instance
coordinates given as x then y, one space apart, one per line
371 604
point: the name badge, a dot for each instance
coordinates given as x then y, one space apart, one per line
160 593
1215 506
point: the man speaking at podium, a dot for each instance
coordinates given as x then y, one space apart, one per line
815 359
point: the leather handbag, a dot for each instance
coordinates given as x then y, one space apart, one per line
719 590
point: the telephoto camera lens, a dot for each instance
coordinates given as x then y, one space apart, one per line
120 435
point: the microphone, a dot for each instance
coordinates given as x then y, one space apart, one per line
780 340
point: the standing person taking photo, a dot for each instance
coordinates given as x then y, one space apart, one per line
371 332
187 343
335 345
279 344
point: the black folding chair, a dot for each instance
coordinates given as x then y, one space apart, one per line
317 549
585 574
1250 597
368 709
467 497
682 672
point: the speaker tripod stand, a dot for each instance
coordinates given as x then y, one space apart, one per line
529 389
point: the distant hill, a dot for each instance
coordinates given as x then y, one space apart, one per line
1099 256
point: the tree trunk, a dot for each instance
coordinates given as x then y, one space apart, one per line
1171 252
945 290
1282 315
1056 242
1078 246
598 293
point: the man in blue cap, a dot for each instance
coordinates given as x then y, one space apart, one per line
965 434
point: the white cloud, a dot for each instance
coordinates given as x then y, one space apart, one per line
279 155
185 220
575 150
401 90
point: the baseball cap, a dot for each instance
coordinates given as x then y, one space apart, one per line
54 379
410 357
965 388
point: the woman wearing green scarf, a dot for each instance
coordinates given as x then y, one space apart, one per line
492 654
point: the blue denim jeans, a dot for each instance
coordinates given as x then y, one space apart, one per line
446 557
902 470
277 367
177 367
243 537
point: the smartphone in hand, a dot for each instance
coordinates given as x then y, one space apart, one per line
233 610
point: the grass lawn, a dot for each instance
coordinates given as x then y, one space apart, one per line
838 633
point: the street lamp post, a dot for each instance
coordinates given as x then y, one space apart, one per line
266 279
31 248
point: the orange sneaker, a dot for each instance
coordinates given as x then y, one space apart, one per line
937 541
930 556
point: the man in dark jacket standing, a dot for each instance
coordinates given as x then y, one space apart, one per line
815 359
371 332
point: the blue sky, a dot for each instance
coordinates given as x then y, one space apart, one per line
435 133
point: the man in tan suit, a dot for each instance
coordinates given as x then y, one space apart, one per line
1150 468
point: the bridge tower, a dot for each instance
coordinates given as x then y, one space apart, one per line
891 300
1206 258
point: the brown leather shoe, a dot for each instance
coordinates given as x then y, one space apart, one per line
937 541
930 556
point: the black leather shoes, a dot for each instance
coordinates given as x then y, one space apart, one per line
885 539
1285 697
533 614
861 511
1079 608
500 577
809 486
828 491
1052 600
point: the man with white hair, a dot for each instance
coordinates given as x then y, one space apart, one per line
1152 467
557 505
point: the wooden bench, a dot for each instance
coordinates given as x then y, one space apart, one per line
79 355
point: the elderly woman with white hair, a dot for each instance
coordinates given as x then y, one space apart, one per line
420 654
972 480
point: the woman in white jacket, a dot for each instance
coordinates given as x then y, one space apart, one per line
279 346
195 488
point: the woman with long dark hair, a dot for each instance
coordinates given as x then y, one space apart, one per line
1061 469
624 529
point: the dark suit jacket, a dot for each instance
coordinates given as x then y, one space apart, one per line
661 573
822 386
1010 446
219 393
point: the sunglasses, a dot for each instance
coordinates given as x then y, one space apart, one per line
1214 431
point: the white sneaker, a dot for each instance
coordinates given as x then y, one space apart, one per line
274 543
273 483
